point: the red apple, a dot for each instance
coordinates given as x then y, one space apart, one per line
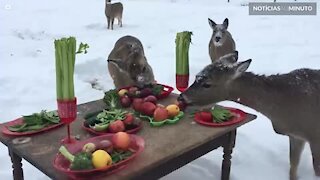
160 114
116 126
121 140
146 92
148 108
129 119
150 98
205 116
125 101
137 104
132 91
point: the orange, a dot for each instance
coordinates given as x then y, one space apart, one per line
173 110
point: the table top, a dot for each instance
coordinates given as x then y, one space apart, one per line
162 144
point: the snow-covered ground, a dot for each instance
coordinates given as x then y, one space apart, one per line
277 44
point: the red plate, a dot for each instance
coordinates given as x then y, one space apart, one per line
165 93
239 116
130 131
62 164
6 131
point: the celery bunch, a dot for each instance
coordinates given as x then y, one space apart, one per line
65 53
183 40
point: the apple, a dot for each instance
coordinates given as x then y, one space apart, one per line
116 126
148 108
150 98
137 104
160 114
129 119
122 92
121 140
132 91
125 101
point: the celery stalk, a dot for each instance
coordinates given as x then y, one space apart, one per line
183 40
65 53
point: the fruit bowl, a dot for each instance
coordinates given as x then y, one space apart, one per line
239 116
166 91
131 129
154 123
62 164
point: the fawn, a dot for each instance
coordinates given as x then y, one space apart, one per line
113 11
291 101
221 42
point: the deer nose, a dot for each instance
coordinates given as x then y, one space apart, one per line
218 39
180 98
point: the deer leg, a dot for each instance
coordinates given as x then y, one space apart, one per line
120 22
108 19
112 21
296 147
315 149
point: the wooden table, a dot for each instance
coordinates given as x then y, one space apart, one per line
166 148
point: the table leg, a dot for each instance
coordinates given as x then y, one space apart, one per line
16 166
227 151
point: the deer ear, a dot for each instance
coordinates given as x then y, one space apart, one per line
212 23
241 68
226 23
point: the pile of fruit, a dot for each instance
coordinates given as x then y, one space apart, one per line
112 121
102 154
127 95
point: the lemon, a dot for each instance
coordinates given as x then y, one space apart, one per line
173 110
101 159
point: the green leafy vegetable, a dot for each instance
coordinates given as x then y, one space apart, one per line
36 121
120 156
79 161
83 48
220 114
112 99
157 89
183 40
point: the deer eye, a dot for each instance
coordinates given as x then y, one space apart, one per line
206 85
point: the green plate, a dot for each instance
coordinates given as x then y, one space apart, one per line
173 120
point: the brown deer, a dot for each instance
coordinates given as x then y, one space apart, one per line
221 42
291 101
113 11
128 65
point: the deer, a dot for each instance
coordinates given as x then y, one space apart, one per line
291 101
113 11
128 65
221 42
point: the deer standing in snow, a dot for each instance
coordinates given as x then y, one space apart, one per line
113 11
291 101
221 42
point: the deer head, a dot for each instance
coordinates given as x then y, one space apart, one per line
218 31
213 83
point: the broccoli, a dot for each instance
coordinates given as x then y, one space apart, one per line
79 161
112 99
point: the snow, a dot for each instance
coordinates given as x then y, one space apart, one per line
277 44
